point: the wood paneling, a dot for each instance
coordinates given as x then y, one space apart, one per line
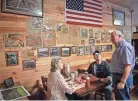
54 10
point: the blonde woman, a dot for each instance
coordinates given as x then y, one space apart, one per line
57 85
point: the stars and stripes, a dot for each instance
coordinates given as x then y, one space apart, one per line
84 12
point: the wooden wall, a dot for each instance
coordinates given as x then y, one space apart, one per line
54 9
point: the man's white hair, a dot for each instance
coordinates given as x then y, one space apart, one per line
117 32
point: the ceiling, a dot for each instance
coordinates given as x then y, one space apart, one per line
132 5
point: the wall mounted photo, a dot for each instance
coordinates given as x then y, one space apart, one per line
74 35
43 52
91 33
104 48
84 33
11 58
65 51
98 47
14 40
54 51
109 48
91 41
23 7
29 64
92 49
34 40
28 54
97 34
73 50
80 50
105 36
118 18
87 50
36 22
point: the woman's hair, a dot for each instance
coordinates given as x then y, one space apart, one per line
54 63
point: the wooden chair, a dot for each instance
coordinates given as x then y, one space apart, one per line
38 92
44 82
100 93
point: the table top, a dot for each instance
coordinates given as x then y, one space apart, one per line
93 87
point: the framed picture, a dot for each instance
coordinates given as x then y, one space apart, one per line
11 58
29 64
118 18
91 41
14 40
92 49
84 33
65 51
104 48
43 52
109 48
9 82
54 51
98 47
73 50
87 50
23 7
80 50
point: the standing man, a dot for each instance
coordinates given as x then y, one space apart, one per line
122 63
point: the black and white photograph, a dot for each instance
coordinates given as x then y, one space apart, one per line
87 50
104 48
73 50
80 50
91 41
109 47
43 52
65 51
29 64
92 49
54 51
11 58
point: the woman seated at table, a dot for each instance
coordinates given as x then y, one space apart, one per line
100 69
57 85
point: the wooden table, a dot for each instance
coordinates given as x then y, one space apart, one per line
87 90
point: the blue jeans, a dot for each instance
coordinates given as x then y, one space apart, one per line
122 94
108 92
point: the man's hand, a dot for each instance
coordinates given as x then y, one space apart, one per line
120 85
105 80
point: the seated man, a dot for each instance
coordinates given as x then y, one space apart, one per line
100 69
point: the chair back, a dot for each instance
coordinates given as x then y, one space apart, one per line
44 82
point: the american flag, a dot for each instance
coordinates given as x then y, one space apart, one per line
84 12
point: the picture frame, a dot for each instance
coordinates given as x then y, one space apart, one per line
15 40
23 7
118 18
80 50
104 48
9 82
54 51
29 64
87 50
43 52
11 58
109 48
73 50
92 49
65 51
84 33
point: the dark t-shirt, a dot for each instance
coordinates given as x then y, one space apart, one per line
99 70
